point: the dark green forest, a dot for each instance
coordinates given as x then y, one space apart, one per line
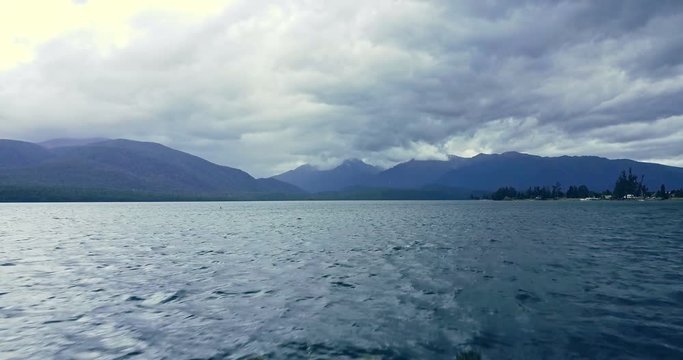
628 185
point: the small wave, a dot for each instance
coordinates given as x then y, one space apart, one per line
321 350
343 284
677 296
129 355
175 296
56 321
245 293
525 296
160 298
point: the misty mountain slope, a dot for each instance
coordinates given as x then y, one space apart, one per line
126 165
349 173
64 142
489 172
415 174
21 154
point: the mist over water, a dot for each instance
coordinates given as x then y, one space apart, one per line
390 280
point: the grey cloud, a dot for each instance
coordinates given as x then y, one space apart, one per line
268 84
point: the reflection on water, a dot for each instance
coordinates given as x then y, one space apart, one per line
386 280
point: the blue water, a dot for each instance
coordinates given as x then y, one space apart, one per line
380 280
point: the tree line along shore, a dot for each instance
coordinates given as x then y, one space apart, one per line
628 186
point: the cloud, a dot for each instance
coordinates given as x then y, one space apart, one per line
266 85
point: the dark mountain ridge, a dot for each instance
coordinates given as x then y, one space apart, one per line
488 172
415 174
127 166
349 173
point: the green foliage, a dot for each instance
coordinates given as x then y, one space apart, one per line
580 192
557 191
628 184
545 193
662 193
538 193
504 193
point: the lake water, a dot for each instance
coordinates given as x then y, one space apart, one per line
381 280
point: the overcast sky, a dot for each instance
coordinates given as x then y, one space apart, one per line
268 85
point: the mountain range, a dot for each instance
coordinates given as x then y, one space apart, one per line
350 173
119 170
124 169
484 172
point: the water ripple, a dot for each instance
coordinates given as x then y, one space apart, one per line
379 280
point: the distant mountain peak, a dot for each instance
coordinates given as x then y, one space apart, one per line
355 163
306 168
507 154
515 154
350 172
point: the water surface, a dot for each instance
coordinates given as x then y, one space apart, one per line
386 280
